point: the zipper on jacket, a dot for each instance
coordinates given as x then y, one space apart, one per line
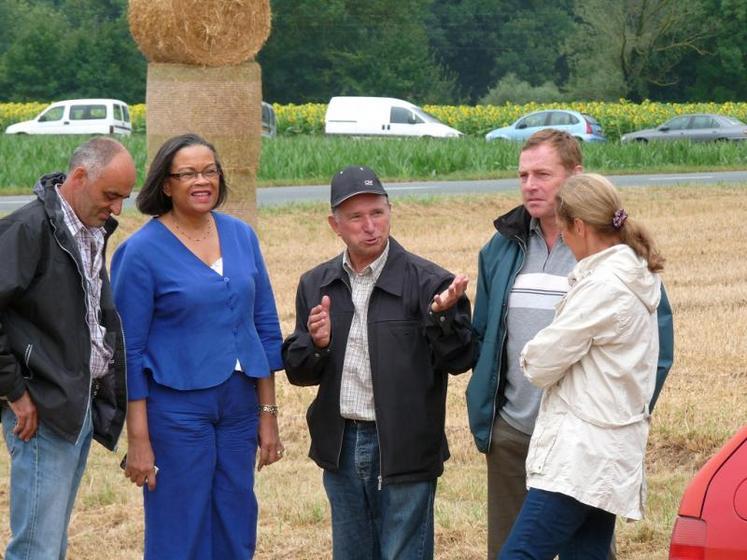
523 248
28 374
378 437
85 320
124 367
346 282
378 440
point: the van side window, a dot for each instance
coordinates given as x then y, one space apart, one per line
87 112
54 114
117 112
125 113
401 115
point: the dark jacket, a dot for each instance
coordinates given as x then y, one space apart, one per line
44 338
411 350
498 264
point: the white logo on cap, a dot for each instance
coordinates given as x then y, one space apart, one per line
368 183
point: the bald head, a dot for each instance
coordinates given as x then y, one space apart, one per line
95 155
102 174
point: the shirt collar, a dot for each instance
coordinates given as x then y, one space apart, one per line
534 226
536 229
374 268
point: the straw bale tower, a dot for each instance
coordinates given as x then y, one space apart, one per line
202 78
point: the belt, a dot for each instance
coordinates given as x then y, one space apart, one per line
360 422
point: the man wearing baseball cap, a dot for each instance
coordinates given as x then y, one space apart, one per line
378 329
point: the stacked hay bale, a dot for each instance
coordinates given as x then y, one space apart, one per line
202 78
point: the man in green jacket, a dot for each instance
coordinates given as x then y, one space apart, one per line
522 274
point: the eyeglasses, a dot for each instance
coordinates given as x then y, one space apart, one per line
189 176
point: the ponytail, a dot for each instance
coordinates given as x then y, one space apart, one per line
595 201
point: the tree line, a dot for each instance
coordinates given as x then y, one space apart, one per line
428 51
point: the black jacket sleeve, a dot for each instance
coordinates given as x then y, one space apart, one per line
304 363
450 336
20 257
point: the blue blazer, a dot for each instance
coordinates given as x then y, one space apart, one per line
184 324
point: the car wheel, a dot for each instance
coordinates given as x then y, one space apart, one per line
641 140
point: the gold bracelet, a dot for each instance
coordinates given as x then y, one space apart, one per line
269 409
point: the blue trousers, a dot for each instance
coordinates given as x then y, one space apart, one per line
45 473
205 445
550 523
394 522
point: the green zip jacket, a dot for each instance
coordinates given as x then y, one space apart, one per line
499 262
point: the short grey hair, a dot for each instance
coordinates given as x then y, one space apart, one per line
95 155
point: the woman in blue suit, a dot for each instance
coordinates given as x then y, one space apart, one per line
203 341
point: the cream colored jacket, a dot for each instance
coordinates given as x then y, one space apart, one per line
597 365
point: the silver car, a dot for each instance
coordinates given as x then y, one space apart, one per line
580 125
695 128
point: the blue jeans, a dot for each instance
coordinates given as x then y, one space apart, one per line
368 523
205 446
45 473
550 523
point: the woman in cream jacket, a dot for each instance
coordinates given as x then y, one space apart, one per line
597 364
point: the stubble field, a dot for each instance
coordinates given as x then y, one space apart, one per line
703 234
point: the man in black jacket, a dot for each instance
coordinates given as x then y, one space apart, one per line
378 329
62 373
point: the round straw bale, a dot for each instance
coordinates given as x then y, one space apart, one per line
200 32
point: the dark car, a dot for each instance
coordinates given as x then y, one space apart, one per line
696 128
712 520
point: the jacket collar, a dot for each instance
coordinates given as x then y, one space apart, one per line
514 224
45 191
391 277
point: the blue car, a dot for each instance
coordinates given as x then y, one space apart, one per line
584 127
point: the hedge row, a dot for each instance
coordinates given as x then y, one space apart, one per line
616 118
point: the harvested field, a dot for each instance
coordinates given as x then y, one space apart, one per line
701 231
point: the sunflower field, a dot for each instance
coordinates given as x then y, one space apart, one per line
616 118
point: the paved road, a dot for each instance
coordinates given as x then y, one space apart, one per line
275 196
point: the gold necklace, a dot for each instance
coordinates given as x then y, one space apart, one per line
207 233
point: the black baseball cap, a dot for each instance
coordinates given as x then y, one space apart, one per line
353 180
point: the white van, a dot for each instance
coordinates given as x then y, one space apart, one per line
382 116
78 116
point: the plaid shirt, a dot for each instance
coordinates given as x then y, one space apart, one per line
356 390
90 243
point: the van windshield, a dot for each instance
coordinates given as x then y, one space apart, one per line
427 117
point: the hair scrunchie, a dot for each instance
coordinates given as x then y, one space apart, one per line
619 217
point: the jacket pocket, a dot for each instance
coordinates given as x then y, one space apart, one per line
544 440
401 337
